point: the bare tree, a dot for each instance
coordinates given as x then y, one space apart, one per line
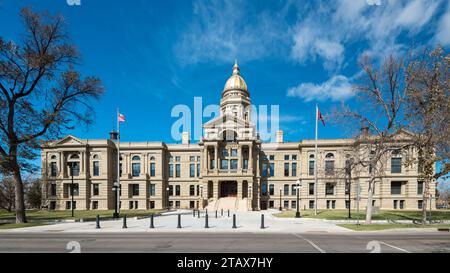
41 94
428 115
380 98
7 193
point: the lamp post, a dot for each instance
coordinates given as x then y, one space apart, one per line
280 208
70 164
168 202
297 214
116 192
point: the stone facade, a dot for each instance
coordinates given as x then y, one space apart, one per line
230 161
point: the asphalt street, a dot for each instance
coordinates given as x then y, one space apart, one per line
226 242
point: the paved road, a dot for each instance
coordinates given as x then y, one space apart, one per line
226 242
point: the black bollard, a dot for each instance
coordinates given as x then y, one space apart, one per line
206 221
221 212
151 221
193 212
124 222
198 213
216 213
262 221
206 211
234 221
228 213
179 221
97 222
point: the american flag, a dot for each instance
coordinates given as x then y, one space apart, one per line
319 116
121 118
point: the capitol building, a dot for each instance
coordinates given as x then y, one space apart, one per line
229 168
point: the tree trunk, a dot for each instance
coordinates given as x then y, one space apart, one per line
19 198
426 195
369 201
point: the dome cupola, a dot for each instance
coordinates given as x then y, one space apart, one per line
235 82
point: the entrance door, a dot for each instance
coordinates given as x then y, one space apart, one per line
228 189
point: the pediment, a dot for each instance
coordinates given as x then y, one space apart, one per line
227 121
69 140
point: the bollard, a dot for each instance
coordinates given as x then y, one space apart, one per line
234 221
216 213
262 221
206 211
206 221
97 222
228 213
193 212
221 212
124 222
179 221
151 221
198 213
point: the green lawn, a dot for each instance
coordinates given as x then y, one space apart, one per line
45 215
374 227
382 215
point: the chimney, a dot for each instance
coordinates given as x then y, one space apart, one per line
185 138
113 135
279 136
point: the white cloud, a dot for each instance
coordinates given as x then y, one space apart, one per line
336 89
443 31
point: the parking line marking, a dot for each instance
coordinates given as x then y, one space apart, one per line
310 242
395 247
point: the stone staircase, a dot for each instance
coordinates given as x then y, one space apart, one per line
228 203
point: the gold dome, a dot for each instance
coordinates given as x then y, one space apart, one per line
235 82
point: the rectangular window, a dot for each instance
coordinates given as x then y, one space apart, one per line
286 157
131 204
134 189
272 169
311 204
177 190
96 168
233 164
396 165
271 189
177 159
294 169
264 170
396 187
311 189
53 169
52 205
152 204
293 204
136 169
328 204
311 168
192 170
177 204
395 204
329 188
224 152
68 204
192 190
294 157
136 204
53 189
152 169
177 170
286 204
192 158
171 191
333 204
95 189
420 204
75 189
245 164
329 167
402 204
271 157
170 170
420 187
75 168
286 189
294 189
271 204
94 205
198 170
347 204
234 152
286 169
192 204
152 190
264 189
224 164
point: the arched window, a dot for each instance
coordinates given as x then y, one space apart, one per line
74 165
311 156
329 155
329 164
95 165
53 166
136 166
152 158
95 156
53 157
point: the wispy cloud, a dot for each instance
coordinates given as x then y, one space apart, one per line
336 89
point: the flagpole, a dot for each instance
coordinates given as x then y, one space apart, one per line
315 162
118 161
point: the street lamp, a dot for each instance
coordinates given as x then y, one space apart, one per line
299 185
70 164
280 208
116 191
168 202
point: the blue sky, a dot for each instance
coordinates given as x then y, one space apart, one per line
153 55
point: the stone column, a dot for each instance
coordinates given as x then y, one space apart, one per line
240 159
250 157
239 189
216 153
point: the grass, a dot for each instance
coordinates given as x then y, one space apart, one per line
382 215
14 225
375 227
45 215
